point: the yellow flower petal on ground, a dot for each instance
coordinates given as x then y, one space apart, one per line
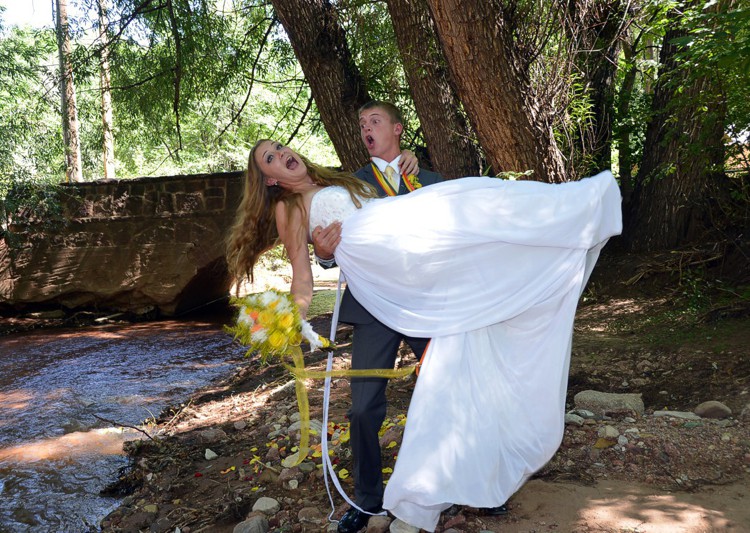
388 470
343 473
392 444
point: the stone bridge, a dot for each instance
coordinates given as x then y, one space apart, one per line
144 246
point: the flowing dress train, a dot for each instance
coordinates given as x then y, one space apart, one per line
492 271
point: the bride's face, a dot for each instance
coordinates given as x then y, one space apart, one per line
280 165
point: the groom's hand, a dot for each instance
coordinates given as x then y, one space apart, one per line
408 164
325 240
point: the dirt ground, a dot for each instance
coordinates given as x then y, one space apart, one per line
672 333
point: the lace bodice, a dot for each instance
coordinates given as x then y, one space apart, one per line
331 204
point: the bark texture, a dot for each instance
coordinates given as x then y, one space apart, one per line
493 84
108 142
450 140
69 109
337 86
679 176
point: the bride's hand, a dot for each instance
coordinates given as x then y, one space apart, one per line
408 164
325 240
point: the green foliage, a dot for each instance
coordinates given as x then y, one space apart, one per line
30 201
371 39
578 118
718 46
238 81
29 120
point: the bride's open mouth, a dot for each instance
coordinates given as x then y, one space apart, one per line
291 163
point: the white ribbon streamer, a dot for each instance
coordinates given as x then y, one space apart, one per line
327 464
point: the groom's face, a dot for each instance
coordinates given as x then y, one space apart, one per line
379 133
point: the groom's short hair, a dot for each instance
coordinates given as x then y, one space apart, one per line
392 111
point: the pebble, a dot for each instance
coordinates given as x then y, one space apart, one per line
378 524
677 414
212 435
573 419
255 524
210 454
267 505
608 432
712 409
310 515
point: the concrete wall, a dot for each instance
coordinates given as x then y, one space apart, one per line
132 245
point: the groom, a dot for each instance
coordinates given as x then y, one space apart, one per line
374 345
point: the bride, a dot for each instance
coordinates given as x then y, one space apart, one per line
490 269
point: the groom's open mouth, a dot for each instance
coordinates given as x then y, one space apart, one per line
369 141
291 163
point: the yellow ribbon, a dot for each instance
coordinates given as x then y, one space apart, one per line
300 374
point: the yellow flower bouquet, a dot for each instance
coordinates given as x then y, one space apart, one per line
269 323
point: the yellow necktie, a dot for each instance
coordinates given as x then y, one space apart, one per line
391 175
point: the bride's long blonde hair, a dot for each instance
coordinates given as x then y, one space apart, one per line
254 229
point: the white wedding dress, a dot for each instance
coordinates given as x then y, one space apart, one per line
492 271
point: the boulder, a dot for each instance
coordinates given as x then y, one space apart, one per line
604 403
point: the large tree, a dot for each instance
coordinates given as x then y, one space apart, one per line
339 90
681 171
108 143
490 65
69 109
450 142
595 32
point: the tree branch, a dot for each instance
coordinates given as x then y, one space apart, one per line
262 45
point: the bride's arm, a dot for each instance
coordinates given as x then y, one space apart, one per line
293 235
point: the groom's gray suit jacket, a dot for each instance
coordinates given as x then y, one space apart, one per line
351 311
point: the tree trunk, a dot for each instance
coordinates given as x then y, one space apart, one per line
625 153
338 88
68 106
478 43
449 137
599 27
678 176
108 143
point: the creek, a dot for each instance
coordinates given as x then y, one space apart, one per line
63 395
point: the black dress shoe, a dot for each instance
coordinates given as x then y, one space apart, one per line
500 510
352 521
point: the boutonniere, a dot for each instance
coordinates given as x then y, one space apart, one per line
413 181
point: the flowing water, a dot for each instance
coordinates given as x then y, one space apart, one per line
55 454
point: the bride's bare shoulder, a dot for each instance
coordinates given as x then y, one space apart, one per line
307 196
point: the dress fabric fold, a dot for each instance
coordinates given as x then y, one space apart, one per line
492 271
